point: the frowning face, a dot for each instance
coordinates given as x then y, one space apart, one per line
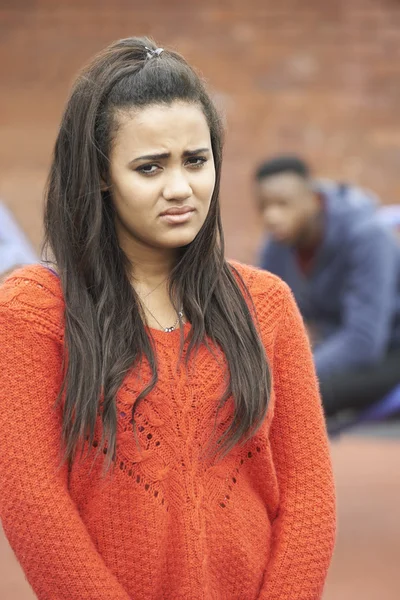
162 175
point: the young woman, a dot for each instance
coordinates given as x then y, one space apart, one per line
161 429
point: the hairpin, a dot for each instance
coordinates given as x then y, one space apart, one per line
153 53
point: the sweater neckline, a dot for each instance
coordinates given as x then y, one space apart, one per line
167 338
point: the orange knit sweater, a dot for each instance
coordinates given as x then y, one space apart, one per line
165 524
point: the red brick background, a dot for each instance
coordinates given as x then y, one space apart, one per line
314 76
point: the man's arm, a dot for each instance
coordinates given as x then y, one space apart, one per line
368 304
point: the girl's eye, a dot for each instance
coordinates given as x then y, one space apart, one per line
197 161
148 169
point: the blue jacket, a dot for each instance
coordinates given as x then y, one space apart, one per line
15 249
352 295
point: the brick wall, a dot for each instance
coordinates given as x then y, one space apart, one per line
316 77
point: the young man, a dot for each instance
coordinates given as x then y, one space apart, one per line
343 265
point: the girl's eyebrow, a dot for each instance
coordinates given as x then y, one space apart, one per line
165 155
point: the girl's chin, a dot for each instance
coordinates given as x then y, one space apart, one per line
178 238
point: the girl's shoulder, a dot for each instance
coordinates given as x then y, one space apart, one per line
269 295
33 293
258 282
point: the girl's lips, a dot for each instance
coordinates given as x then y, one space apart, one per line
176 218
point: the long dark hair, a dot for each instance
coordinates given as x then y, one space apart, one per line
104 331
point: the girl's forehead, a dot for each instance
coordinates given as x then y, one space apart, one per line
158 126
157 116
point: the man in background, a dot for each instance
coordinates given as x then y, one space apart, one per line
15 250
326 241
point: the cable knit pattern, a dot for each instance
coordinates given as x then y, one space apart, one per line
167 523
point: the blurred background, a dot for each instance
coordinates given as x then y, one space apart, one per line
317 77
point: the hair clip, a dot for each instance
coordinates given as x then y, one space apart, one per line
153 53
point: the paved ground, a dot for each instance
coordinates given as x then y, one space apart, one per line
366 561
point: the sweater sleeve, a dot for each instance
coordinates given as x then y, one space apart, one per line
304 530
39 518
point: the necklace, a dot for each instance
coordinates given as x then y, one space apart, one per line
180 313
151 291
166 329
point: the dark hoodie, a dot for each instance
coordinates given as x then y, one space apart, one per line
351 295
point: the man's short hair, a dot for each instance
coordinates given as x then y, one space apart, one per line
282 164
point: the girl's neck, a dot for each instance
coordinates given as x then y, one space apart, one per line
150 271
150 276
149 265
